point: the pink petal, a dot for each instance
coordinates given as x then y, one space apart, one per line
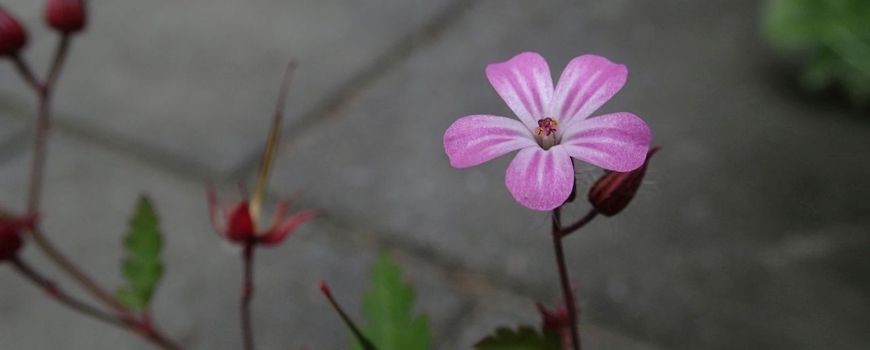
280 212
585 85
214 211
539 179
525 84
279 233
617 141
475 139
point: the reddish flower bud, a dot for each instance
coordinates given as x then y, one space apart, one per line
66 16
238 225
10 235
614 191
13 37
10 242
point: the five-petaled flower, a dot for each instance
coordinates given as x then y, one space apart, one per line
554 126
236 222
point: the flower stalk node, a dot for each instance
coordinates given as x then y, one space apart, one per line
614 191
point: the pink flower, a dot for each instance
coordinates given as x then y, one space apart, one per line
236 223
554 126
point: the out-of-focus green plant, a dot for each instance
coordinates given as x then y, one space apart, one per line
835 34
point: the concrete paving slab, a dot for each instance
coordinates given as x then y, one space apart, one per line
187 79
89 195
13 135
748 168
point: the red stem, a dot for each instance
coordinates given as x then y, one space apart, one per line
247 295
56 293
140 327
44 92
579 224
40 143
27 74
563 277
43 119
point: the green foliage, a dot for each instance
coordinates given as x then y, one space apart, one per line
388 307
141 267
525 338
834 33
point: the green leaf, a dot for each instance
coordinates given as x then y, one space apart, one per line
525 338
141 267
830 37
388 307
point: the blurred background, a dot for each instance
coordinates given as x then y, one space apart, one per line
751 232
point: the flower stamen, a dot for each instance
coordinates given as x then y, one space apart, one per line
546 132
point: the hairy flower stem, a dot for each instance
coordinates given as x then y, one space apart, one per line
567 230
247 295
40 140
56 293
142 328
44 91
563 277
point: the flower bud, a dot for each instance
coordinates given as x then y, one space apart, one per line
66 16
13 37
614 191
10 242
10 235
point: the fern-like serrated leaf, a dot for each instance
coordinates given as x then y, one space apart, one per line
141 267
524 338
388 307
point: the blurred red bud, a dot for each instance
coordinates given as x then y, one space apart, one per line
238 225
614 191
66 16
10 234
10 242
13 37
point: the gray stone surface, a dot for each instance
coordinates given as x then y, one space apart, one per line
750 173
90 194
13 134
751 231
188 78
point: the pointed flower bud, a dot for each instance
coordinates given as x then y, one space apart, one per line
10 235
238 225
614 191
66 16
13 37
